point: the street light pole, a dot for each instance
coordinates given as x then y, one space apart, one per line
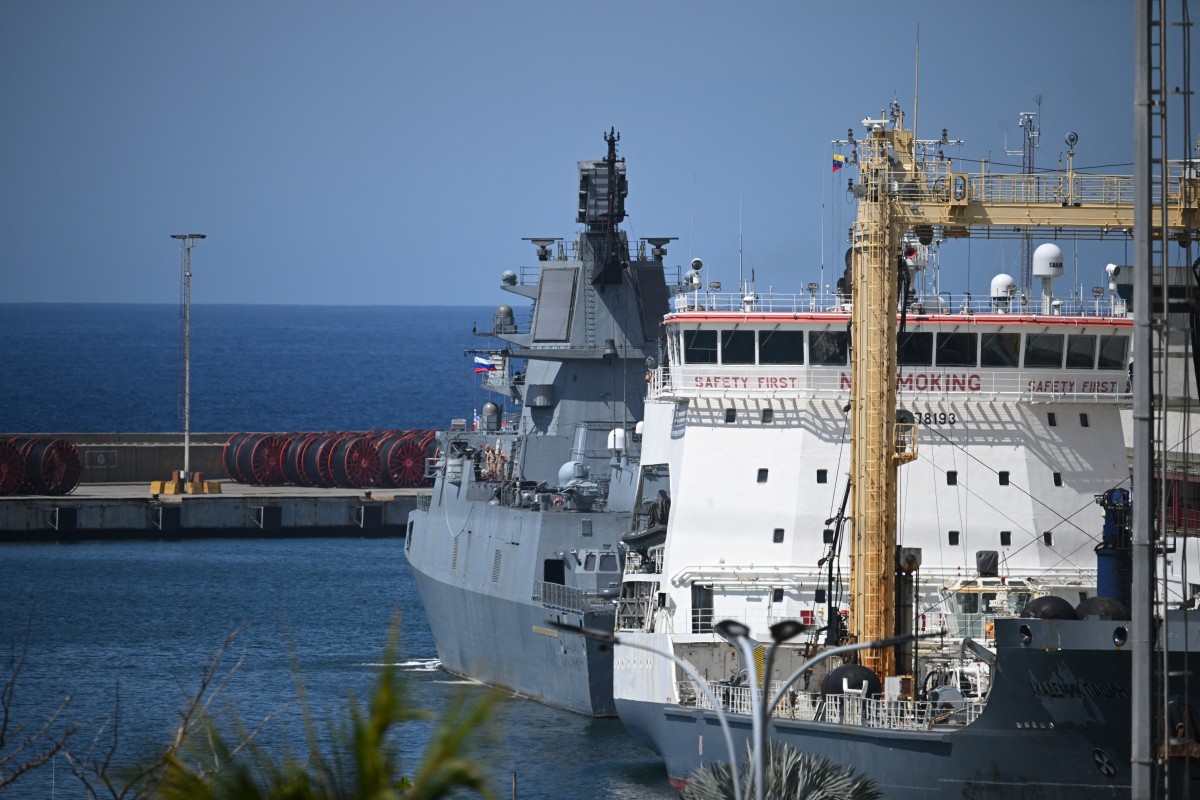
611 639
186 242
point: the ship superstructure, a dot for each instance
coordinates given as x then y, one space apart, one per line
526 514
887 464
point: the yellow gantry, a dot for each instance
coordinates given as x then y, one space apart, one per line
898 192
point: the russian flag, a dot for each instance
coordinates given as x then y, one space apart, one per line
484 365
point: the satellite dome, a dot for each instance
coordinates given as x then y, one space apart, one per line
1048 261
1003 285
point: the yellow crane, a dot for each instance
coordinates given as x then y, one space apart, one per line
900 191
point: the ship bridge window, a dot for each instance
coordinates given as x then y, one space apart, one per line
828 348
916 350
1043 350
1081 351
608 562
999 349
589 563
781 347
737 347
1114 352
957 349
700 347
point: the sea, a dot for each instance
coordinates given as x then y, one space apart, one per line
121 632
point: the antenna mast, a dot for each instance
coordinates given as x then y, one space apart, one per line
1031 133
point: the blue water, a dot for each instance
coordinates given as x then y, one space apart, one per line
140 620
101 368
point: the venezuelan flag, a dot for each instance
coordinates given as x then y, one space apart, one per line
839 161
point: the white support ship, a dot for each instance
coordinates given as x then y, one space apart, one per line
1020 431
896 464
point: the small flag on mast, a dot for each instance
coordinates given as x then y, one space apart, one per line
484 365
839 161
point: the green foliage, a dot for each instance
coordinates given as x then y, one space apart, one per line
790 774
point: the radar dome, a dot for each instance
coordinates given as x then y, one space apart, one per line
1003 285
503 321
1048 261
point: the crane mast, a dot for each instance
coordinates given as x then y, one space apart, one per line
897 192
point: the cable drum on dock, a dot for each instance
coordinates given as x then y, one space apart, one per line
354 462
12 468
293 458
404 458
349 460
48 466
229 456
259 460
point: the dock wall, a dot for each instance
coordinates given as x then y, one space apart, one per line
114 501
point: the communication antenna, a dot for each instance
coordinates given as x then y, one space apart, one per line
1031 134
741 280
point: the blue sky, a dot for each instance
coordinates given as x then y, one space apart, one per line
396 152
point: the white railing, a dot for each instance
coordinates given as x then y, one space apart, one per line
837 709
1108 306
925 383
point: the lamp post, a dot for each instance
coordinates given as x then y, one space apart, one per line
186 242
611 639
738 634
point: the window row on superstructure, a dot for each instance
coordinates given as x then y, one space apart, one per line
831 348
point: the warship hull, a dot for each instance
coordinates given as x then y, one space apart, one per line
488 613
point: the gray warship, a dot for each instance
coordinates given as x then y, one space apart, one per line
528 509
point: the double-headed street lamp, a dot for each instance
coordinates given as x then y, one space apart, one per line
737 634
186 242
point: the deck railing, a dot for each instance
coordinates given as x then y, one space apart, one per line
823 301
568 598
846 709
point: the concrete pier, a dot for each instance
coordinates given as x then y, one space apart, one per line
114 499
130 511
